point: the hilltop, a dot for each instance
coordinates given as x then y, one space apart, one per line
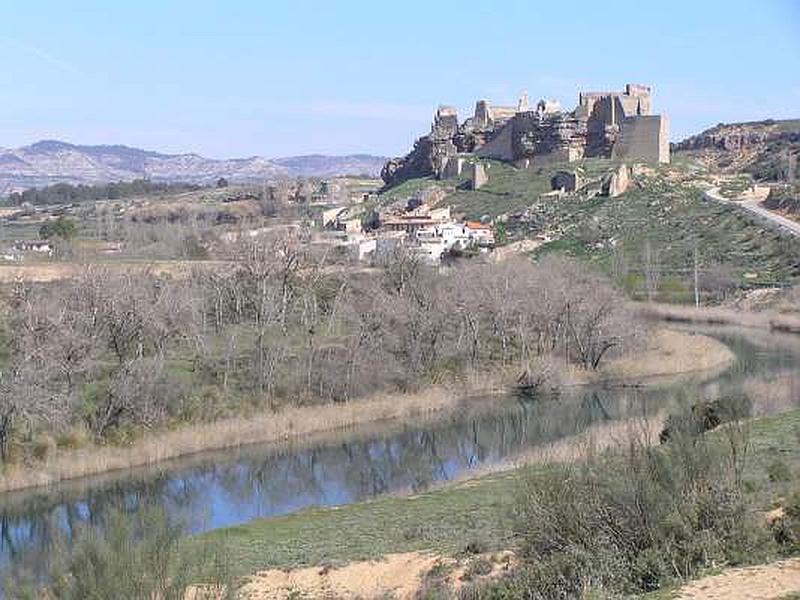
761 148
52 161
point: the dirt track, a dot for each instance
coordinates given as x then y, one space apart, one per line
754 206
765 582
55 271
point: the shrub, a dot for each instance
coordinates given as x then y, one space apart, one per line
631 520
43 447
134 557
778 471
477 567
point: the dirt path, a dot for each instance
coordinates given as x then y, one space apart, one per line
753 204
394 576
765 582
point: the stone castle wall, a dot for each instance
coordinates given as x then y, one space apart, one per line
643 138
604 124
499 146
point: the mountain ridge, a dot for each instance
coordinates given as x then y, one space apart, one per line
51 161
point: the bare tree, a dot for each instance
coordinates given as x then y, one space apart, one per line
651 270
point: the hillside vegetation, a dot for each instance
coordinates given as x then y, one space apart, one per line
646 238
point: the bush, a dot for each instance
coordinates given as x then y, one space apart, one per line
778 471
705 416
63 228
135 557
631 520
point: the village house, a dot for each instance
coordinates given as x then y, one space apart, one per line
434 242
38 246
328 217
413 220
481 234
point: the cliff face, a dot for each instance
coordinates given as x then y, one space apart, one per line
739 136
430 152
765 149
417 163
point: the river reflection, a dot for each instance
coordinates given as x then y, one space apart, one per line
225 488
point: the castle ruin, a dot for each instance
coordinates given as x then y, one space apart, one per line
618 125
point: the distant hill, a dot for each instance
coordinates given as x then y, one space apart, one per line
762 148
320 165
51 161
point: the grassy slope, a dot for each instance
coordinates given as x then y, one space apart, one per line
447 519
667 209
444 520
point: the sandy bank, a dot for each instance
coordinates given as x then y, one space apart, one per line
396 576
669 353
762 582
771 320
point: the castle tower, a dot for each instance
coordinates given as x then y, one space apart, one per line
523 105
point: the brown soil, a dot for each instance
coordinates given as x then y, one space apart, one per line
395 576
766 582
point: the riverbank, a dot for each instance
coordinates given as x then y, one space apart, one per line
770 320
463 519
667 354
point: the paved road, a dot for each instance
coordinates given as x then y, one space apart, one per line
755 207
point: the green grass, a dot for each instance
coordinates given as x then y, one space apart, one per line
507 191
410 188
444 520
774 441
564 246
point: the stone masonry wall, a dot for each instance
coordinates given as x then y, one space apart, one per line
643 138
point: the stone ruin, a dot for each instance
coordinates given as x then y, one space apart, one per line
566 181
618 125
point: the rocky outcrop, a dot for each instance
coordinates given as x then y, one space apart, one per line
735 136
417 163
555 135
617 182
766 149
431 152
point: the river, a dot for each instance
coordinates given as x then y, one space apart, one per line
218 489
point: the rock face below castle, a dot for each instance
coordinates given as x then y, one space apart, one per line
604 124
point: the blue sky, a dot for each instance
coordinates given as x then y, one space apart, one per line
241 77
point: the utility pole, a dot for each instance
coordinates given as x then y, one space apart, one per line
696 286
